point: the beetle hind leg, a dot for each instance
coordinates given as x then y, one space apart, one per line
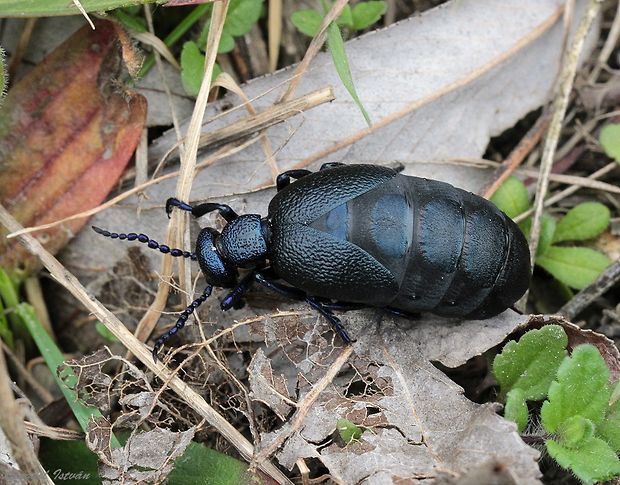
315 303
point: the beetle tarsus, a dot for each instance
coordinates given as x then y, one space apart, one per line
180 323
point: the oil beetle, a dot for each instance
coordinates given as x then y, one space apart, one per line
349 236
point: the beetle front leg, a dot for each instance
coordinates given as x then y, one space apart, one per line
297 294
284 179
201 209
234 298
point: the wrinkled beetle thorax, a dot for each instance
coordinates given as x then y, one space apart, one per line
243 242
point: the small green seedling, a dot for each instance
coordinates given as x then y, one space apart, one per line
348 431
576 267
241 17
580 415
610 140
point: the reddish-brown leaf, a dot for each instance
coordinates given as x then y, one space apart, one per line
67 131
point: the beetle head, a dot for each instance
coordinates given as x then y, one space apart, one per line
217 271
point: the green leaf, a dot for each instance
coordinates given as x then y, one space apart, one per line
348 431
547 231
610 140
69 462
511 197
227 43
105 333
609 428
131 22
516 409
345 19
242 15
575 267
584 221
53 358
531 363
307 22
367 13
192 68
20 8
575 431
202 465
593 461
580 389
335 44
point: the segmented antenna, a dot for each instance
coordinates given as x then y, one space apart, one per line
181 320
151 243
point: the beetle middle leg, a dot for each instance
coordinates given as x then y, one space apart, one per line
315 303
201 209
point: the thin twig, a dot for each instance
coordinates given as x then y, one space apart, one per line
517 155
114 325
12 423
582 300
304 406
558 111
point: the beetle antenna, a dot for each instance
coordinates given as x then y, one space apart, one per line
143 238
181 320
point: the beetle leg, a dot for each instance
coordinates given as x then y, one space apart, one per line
181 320
234 297
201 209
284 178
297 294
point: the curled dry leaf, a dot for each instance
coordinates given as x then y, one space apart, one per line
67 131
416 421
146 457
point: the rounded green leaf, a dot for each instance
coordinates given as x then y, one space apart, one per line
367 13
516 409
610 140
345 19
575 430
307 21
192 68
242 15
593 461
575 267
584 221
348 431
547 231
609 428
531 363
511 197
580 389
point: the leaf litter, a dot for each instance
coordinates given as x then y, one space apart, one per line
417 423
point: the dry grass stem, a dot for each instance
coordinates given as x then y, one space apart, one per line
303 407
558 110
52 432
274 28
554 199
516 157
158 46
227 82
12 423
313 49
114 325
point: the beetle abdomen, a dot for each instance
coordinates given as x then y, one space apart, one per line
448 251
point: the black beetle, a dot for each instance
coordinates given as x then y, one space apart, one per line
362 235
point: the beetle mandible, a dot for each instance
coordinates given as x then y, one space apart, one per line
349 236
